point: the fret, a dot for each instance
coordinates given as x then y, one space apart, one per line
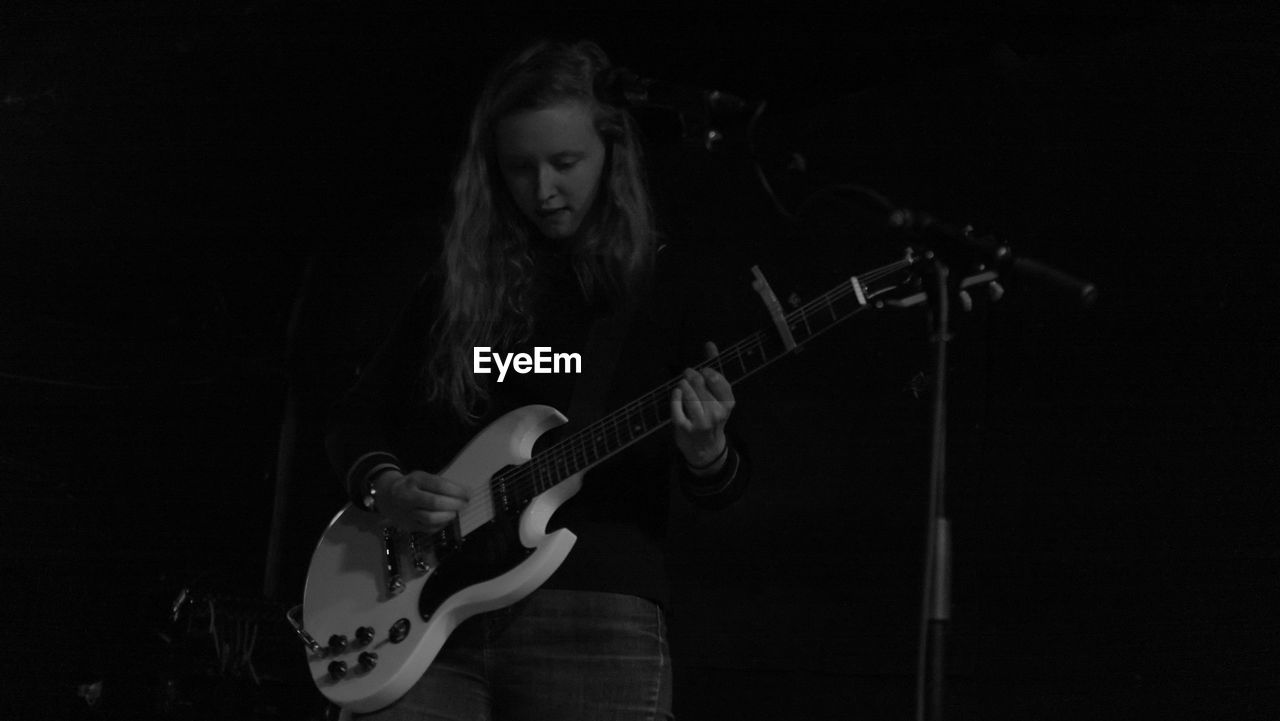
617 441
536 474
804 318
651 413
635 420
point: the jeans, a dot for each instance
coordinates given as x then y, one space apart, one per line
555 656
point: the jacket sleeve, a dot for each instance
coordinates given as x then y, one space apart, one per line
722 488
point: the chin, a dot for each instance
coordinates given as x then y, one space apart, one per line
557 231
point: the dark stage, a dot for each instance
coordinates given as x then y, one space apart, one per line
212 210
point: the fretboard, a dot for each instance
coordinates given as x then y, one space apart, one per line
650 412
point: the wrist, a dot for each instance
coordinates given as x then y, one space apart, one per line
360 474
377 485
708 464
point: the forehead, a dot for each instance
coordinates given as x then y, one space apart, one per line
560 128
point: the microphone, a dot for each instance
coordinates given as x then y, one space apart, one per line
949 239
620 86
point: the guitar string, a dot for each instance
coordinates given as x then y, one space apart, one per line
524 478
584 441
520 479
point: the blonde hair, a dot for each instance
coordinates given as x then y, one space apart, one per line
486 263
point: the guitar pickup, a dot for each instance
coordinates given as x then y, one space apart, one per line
391 562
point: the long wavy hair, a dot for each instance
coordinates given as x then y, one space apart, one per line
486 262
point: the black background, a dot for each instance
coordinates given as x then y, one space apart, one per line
210 211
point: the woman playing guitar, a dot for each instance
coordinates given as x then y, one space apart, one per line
552 245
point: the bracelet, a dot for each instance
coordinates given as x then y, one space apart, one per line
360 475
368 499
712 462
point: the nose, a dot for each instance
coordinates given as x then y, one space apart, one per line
546 183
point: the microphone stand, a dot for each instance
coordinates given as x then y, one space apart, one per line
935 612
944 241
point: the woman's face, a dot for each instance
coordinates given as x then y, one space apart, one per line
552 160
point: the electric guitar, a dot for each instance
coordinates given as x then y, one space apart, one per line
384 601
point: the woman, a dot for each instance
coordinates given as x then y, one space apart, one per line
551 244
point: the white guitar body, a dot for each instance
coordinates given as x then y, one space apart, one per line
347 585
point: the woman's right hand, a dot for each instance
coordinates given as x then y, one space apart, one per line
418 501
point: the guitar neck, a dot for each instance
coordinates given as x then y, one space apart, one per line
650 412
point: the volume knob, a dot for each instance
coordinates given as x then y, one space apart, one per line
337 670
337 643
368 660
364 635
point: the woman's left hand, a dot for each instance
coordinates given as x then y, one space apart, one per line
700 406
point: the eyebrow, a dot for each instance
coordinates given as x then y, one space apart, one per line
516 159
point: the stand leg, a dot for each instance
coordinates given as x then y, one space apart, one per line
935 612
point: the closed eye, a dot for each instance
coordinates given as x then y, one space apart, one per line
517 167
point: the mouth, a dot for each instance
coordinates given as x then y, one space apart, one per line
551 212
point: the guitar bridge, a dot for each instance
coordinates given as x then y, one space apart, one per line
418 545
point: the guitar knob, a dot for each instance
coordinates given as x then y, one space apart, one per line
399 630
368 660
337 670
364 635
337 643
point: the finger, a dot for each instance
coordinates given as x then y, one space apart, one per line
441 486
698 383
433 519
678 417
712 405
711 349
427 501
694 404
719 386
